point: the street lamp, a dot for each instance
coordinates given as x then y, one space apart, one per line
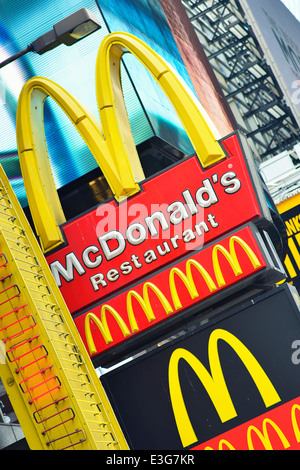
67 31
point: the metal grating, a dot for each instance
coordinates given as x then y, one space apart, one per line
247 80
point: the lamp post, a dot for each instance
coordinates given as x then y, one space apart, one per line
67 31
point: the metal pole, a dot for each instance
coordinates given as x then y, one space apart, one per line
10 59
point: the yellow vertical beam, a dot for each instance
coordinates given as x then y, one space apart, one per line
35 322
33 438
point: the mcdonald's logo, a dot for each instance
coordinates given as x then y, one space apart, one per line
231 257
264 435
171 291
103 327
191 196
144 302
214 382
276 429
112 144
188 281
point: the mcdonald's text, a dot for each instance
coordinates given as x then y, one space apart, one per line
181 209
171 291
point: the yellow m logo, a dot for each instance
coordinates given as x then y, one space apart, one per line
112 144
232 258
144 302
214 382
264 435
188 281
103 326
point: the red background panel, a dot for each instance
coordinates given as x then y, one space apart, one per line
229 210
286 418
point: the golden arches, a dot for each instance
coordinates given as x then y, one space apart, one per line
231 257
112 108
214 382
114 149
188 281
103 326
264 435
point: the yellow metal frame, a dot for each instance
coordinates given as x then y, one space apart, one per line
34 319
113 148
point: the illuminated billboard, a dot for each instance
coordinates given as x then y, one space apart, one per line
233 383
149 112
199 280
148 223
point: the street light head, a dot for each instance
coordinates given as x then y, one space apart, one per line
68 31
83 30
76 26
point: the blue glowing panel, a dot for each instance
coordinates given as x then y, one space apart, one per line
146 20
22 21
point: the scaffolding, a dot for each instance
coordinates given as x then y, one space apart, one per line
247 80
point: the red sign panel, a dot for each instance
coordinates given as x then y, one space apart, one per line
171 291
181 209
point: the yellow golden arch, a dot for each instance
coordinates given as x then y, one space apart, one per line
263 433
186 278
112 145
214 382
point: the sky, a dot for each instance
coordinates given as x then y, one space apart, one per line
294 7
